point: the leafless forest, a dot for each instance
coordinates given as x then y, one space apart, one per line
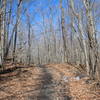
41 32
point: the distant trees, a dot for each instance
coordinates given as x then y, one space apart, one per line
63 32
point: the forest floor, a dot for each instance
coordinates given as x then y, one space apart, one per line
47 82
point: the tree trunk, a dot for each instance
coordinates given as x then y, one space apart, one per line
2 27
93 47
81 33
63 32
29 40
16 29
8 29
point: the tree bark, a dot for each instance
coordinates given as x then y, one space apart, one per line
63 32
93 47
16 29
81 33
29 40
2 30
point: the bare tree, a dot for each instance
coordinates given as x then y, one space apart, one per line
81 32
2 29
29 39
63 32
16 28
59 35
93 47
8 30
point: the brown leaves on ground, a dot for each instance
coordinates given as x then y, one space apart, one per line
23 82
79 89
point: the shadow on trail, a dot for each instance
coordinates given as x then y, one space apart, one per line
10 70
47 89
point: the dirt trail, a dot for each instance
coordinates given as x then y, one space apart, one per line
46 82
51 87
39 83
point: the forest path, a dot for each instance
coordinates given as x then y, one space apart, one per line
51 87
46 82
35 83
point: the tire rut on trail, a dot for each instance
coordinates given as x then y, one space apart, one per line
50 88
